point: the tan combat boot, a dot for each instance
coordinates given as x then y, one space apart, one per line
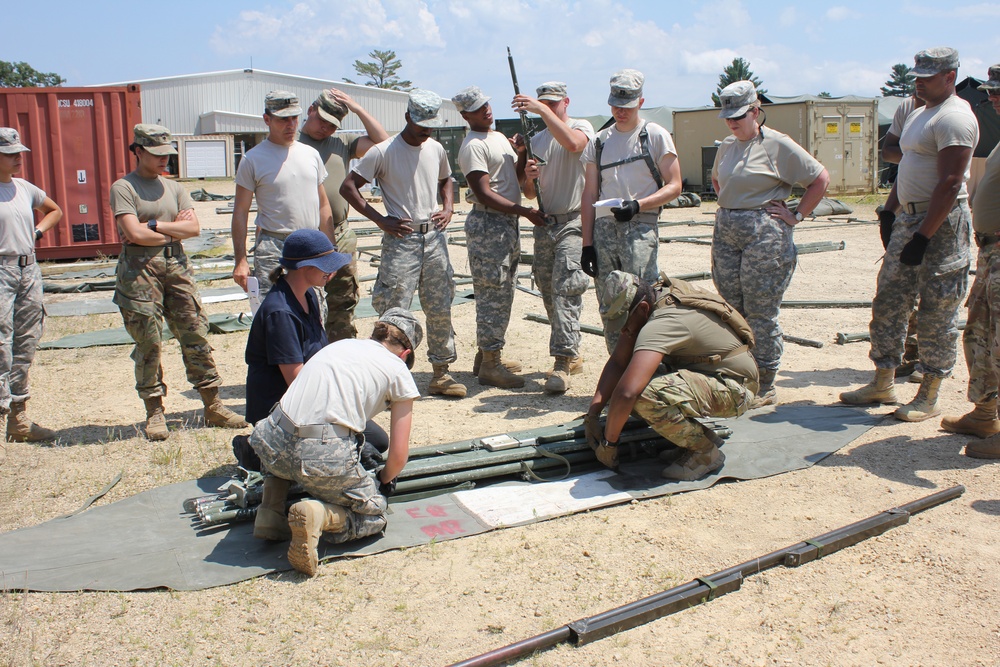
558 381
156 423
766 393
879 390
443 384
22 429
512 366
271 522
217 414
696 463
492 373
981 422
307 520
924 404
984 449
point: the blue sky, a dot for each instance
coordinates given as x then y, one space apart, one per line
446 45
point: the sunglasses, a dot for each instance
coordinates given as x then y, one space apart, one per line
740 117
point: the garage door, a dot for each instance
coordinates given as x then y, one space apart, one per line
206 159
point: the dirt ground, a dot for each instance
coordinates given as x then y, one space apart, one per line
922 594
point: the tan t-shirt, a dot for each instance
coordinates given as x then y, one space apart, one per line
752 173
149 198
491 152
633 180
336 151
408 175
927 131
689 332
986 203
561 178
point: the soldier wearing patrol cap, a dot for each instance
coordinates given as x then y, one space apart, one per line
981 337
928 252
671 363
558 243
20 286
154 281
286 178
636 162
321 131
413 171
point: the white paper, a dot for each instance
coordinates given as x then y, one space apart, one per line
608 203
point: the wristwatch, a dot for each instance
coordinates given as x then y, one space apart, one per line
798 216
38 234
152 225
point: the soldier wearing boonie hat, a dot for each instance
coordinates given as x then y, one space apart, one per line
982 328
20 286
413 171
705 368
494 170
636 162
321 130
558 243
927 257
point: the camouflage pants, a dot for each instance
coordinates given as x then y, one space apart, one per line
266 258
21 318
343 291
557 272
981 337
494 246
149 288
940 281
753 258
624 246
328 468
420 262
672 400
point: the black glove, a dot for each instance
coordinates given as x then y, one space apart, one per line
386 488
913 252
588 261
885 221
246 457
369 456
628 210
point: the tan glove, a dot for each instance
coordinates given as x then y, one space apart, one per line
593 430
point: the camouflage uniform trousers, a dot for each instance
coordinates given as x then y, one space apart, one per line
267 257
673 400
149 288
328 468
420 262
940 281
21 318
561 281
624 246
981 337
753 258
343 291
494 247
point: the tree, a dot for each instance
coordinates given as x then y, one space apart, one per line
738 71
381 71
825 95
900 83
23 75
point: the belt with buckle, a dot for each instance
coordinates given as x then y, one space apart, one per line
422 227
310 430
986 239
560 218
486 209
169 250
276 235
20 260
916 207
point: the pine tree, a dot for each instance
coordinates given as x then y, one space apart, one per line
739 70
825 95
381 71
900 83
23 75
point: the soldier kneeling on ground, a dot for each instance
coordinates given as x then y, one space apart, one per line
675 360
313 436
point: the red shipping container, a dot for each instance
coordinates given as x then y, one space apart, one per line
79 139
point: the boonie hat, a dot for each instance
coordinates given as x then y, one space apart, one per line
282 104
311 247
626 88
423 108
994 81
620 289
470 99
10 142
154 138
330 108
737 98
404 320
552 91
934 61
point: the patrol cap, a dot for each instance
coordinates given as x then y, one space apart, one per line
154 138
620 289
282 104
423 108
404 320
552 91
994 81
626 88
934 61
10 141
330 108
737 98
470 99
311 247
